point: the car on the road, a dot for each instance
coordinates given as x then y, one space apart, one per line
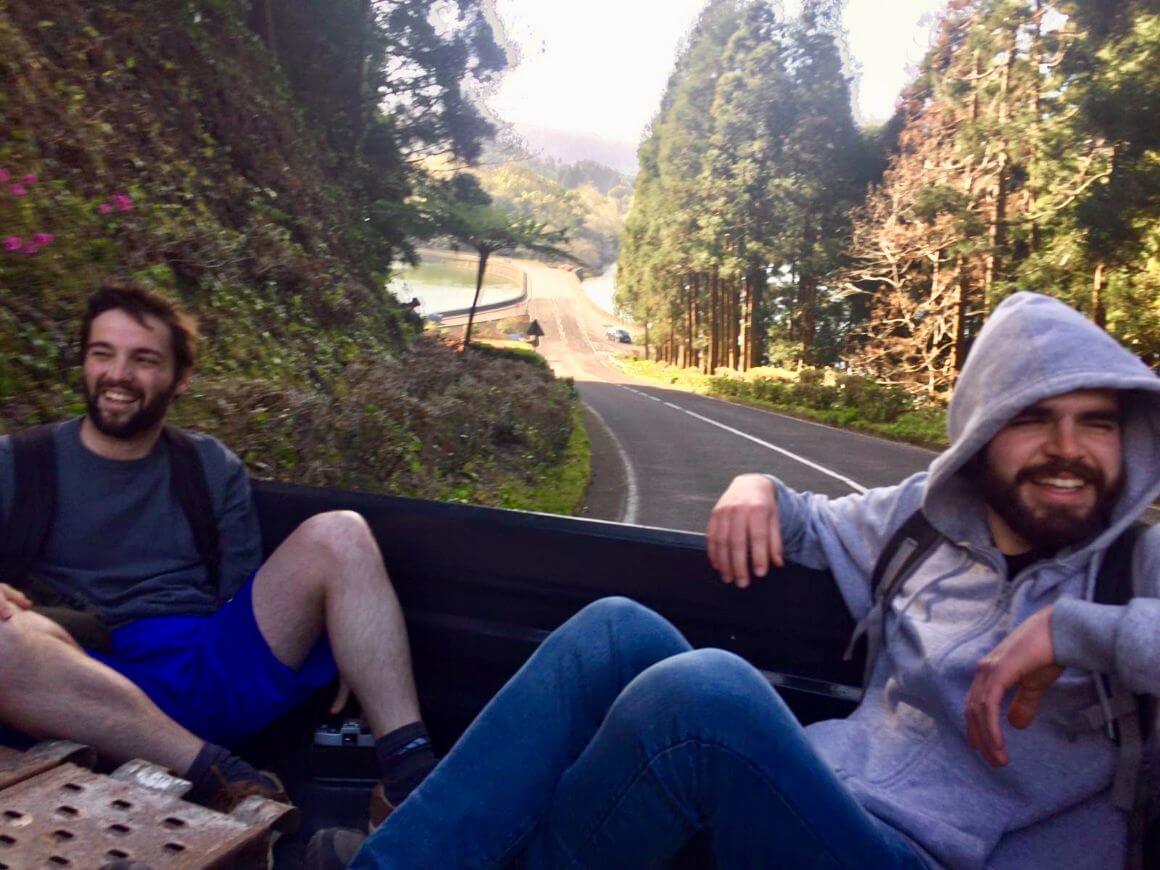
615 333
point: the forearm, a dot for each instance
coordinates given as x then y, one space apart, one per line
1119 640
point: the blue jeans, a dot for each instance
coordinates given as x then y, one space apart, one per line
616 743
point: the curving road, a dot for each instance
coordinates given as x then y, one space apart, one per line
662 457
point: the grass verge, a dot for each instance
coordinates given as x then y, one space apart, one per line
559 488
809 399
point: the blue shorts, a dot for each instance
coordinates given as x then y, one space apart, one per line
216 675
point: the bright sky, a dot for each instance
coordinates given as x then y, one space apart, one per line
599 67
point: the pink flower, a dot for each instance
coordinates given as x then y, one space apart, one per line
43 239
29 179
13 243
18 190
30 249
104 208
4 176
123 202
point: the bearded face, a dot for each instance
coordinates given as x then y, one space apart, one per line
129 376
1054 473
122 410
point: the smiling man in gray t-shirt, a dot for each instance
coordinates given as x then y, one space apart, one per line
193 663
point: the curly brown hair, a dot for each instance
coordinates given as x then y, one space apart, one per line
138 301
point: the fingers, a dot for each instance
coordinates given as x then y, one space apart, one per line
1030 693
744 529
1025 657
775 549
984 699
15 596
1024 706
739 551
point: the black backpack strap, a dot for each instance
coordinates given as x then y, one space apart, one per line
29 521
191 490
905 550
1134 786
907 547
1114 582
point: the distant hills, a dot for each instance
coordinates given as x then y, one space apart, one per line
570 147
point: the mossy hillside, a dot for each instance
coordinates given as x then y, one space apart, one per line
159 141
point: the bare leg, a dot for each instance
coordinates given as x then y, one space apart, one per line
50 688
329 575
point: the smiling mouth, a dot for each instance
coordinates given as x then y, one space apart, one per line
119 397
1063 483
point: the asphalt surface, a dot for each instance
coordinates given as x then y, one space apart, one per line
661 457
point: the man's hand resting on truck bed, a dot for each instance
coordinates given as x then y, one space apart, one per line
745 527
12 600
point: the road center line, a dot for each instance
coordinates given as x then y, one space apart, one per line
853 484
559 320
632 497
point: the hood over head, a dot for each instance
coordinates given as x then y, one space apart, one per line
1034 347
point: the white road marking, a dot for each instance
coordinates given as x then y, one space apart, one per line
632 498
559 321
853 484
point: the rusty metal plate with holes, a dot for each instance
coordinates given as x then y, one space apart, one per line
18 766
71 817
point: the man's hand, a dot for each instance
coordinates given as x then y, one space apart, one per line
744 525
12 600
1025 657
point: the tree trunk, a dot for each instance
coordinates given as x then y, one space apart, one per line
483 255
961 346
998 229
688 339
358 114
1099 314
1033 163
756 293
714 320
262 23
735 324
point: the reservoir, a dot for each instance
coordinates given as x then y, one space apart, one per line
445 282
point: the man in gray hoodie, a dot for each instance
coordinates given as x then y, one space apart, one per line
616 742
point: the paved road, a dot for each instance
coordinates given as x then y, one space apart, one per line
661 457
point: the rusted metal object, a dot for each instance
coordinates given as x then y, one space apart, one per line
71 817
17 766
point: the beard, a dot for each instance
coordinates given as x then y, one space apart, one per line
146 417
1050 528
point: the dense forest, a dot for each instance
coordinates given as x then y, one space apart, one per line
767 227
264 163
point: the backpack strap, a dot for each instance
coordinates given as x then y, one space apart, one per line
29 521
191 490
1133 788
906 549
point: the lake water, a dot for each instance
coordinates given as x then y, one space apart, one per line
444 287
602 289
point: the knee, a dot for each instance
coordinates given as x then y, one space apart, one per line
621 615
337 536
15 649
704 685
619 631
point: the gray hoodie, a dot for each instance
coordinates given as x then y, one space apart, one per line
903 752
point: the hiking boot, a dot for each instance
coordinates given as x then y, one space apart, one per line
333 848
230 793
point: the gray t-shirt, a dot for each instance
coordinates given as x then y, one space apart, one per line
121 540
